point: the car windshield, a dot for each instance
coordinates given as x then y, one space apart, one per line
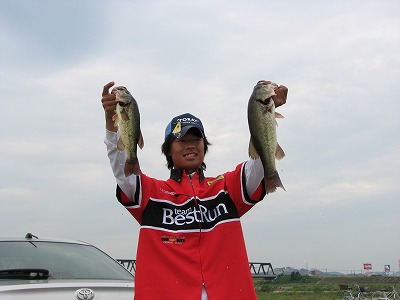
62 260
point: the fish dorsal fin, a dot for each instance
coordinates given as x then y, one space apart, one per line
279 153
278 115
120 145
141 141
252 150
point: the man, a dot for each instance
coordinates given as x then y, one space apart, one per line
191 243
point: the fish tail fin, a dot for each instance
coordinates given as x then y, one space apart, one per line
132 167
273 182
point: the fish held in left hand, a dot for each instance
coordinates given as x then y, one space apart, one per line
262 125
128 118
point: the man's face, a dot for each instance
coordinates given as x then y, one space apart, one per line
187 152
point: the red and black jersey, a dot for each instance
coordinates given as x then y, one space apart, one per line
191 235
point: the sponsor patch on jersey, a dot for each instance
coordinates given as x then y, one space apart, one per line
220 177
177 240
193 214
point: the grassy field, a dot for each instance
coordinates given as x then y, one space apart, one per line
302 287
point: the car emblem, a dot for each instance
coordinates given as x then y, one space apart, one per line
84 294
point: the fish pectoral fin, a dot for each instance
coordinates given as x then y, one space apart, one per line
115 119
141 141
120 145
279 153
124 115
278 116
252 151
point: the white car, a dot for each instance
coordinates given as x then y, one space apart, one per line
35 268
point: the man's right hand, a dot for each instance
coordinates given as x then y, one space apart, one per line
109 106
281 95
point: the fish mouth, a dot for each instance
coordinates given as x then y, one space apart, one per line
115 90
123 104
120 88
264 82
264 101
122 96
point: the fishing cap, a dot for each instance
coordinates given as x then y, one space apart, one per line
180 125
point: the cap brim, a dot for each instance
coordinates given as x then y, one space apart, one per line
187 128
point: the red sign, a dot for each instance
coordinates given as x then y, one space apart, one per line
367 266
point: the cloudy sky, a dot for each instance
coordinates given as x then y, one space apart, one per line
339 59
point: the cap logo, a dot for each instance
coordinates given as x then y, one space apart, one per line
177 129
186 120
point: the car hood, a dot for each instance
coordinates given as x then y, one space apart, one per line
62 289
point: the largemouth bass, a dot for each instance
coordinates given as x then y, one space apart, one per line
128 118
262 125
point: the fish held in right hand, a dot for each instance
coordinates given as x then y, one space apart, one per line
261 117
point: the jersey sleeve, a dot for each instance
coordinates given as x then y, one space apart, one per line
128 188
237 188
254 174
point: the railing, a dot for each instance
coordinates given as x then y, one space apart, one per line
262 270
129 264
257 269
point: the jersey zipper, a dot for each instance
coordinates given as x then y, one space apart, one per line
200 228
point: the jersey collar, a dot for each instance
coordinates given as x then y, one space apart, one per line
176 174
